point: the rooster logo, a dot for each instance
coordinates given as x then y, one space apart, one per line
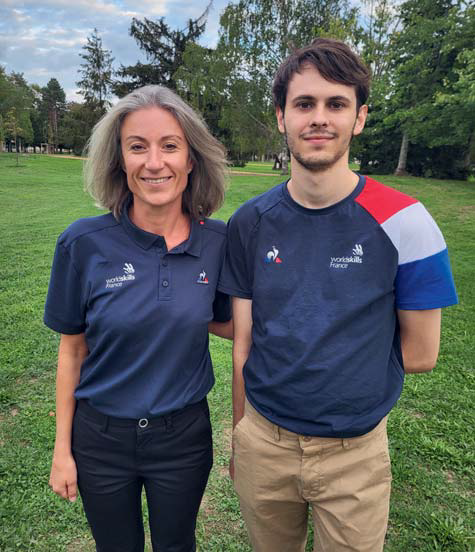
272 255
202 278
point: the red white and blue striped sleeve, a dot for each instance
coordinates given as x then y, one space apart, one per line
424 278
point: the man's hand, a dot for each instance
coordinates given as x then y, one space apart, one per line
63 477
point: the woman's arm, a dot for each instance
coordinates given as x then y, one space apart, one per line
63 477
221 329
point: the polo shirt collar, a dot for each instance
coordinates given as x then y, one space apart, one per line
146 240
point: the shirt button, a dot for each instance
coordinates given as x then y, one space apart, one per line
164 262
165 283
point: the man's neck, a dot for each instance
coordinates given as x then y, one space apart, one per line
316 190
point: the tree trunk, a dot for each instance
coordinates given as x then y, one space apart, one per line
284 159
402 163
470 155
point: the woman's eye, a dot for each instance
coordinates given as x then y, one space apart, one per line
170 147
136 147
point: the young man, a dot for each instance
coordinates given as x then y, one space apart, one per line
337 283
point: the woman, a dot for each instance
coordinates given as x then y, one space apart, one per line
133 294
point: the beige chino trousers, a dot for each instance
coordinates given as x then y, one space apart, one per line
279 474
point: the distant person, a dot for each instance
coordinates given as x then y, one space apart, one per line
338 283
133 294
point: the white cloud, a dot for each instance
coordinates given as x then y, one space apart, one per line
43 39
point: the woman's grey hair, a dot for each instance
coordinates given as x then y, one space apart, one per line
105 179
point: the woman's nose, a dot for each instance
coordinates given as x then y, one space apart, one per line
154 159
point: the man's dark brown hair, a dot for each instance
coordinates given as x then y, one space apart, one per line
333 59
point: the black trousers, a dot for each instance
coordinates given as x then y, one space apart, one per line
170 457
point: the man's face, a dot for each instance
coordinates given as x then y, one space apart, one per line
320 119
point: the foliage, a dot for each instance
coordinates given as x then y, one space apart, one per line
76 125
164 48
423 58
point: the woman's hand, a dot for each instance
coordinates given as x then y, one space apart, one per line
63 476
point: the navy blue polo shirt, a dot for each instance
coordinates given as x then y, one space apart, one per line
325 284
144 311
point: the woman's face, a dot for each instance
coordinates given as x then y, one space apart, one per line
156 158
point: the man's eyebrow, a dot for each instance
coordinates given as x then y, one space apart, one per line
339 99
303 97
308 98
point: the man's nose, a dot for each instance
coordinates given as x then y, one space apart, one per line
319 116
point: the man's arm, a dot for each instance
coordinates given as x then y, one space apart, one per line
242 317
420 339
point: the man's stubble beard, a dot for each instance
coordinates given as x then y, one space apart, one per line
318 164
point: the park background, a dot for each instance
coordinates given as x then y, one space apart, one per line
421 126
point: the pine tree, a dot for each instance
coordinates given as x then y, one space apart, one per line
96 72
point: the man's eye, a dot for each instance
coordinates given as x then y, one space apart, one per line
336 105
304 105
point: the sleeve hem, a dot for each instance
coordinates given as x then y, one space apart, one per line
60 327
234 292
440 304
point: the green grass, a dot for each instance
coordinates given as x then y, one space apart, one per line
431 430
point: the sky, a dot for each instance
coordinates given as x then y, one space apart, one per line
43 38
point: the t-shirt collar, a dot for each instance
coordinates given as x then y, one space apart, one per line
146 240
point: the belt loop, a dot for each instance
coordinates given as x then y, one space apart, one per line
168 423
105 424
276 433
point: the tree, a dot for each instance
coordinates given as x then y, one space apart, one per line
76 124
407 130
256 35
421 65
456 102
96 71
231 108
164 49
2 132
53 106
13 129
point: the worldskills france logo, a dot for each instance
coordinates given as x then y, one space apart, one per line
272 256
118 281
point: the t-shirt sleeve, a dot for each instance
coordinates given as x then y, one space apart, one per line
221 307
424 278
236 276
64 308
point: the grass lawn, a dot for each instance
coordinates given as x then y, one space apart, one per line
432 436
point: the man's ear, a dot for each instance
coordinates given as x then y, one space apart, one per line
280 120
360 120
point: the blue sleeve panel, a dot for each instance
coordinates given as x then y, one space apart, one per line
426 283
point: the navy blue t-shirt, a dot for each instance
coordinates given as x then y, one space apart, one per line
144 311
325 283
